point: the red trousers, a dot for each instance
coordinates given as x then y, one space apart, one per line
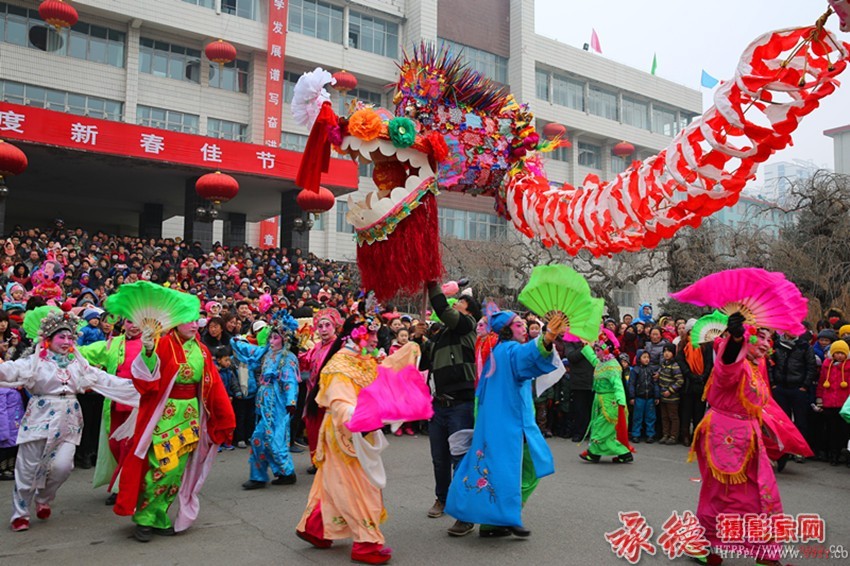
118 448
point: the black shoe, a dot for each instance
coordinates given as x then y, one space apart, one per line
799 459
312 470
780 464
650 440
82 463
520 532
577 438
113 497
284 480
624 458
588 457
494 532
169 532
143 534
251 484
295 449
7 475
635 440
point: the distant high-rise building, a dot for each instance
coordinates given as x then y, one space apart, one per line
841 142
779 176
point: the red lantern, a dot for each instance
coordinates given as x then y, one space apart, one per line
553 130
624 149
217 187
58 14
345 81
221 52
316 203
13 161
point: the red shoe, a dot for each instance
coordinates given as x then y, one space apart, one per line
314 540
398 432
20 524
409 431
42 511
381 556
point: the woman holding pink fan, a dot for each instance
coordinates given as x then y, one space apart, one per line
733 450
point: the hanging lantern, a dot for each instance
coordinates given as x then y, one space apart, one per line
315 203
217 187
13 161
623 149
345 81
221 52
553 130
58 14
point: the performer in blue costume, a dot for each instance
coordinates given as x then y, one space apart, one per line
508 454
277 393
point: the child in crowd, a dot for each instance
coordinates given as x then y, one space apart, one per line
832 392
821 347
644 395
91 332
670 381
402 337
224 363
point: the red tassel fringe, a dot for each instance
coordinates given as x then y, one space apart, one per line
408 259
317 154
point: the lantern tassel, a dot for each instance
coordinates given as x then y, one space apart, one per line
407 260
317 153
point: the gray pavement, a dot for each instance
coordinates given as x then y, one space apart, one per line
568 515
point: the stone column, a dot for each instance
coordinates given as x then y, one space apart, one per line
194 230
150 221
234 230
289 211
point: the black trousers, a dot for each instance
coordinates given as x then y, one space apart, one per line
581 405
244 409
91 405
691 411
296 420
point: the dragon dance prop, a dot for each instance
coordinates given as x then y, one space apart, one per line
454 130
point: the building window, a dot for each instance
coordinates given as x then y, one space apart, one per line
624 298
568 92
361 94
619 164
541 80
163 59
232 76
79 104
249 9
602 103
202 3
373 34
466 225
319 222
226 130
635 113
366 169
560 154
589 155
316 19
488 64
167 119
83 41
342 225
289 81
293 142
663 121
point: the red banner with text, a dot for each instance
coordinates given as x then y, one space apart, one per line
276 48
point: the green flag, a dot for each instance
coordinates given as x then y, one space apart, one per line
654 64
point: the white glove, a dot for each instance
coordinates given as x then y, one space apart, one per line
148 341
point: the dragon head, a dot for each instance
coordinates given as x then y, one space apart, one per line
451 130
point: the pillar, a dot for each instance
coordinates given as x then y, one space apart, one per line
234 230
289 211
194 230
150 221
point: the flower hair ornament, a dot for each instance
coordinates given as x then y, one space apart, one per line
284 324
359 340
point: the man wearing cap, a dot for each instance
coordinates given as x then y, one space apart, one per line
696 363
508 454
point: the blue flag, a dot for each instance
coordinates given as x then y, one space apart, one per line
707 80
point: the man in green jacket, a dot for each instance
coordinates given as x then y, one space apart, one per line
450 360
114 355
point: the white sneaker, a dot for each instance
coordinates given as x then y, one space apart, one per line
242 444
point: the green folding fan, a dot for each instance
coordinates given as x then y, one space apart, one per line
153 308
560 288
33 318
708 327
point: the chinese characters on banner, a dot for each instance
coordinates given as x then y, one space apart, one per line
269 233
81 133
278 12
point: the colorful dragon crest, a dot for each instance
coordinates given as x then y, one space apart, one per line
454 130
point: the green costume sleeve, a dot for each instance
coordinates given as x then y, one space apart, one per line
150 361
590 355
95 354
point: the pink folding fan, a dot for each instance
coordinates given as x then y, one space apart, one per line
765 298
394 396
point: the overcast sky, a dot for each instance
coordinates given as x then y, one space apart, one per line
689 36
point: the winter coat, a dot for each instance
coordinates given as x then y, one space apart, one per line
835 374
794 365
695 383
670 379
656 353
11 413
642 384
581 370
646 319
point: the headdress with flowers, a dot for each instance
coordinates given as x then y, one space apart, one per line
358 340
329 313
284 324
55 321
